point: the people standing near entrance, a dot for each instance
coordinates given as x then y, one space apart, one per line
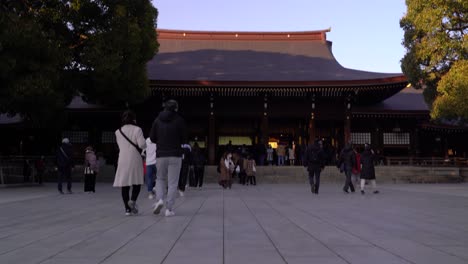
368 170
91 170
184 170
129 165
40 169
150 168
169 132
65 165
270 155
292 154
226 168
198 160
348 158
356 171
281 152
314 161
251 171
260 153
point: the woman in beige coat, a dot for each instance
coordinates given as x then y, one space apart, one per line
130 163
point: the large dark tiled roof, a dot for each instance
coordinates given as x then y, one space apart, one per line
250 56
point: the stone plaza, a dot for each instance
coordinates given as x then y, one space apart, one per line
267 223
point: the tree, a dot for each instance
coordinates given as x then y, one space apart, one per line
52 50
31 61
436 41
113 49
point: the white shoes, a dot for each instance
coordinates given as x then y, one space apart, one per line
169 213
181 193
151 196
158 206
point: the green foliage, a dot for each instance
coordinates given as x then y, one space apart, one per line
436 40
453 93
52 50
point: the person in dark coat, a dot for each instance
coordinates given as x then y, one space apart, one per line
348 158
199 161
314 161
64 165
368 170
184 169
168 132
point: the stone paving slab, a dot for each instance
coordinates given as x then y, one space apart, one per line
271 223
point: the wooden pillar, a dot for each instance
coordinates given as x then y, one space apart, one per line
265 133
211 135
312 121
347 121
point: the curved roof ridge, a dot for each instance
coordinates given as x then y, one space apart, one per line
243 35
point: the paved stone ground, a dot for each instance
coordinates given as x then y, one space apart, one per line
248 224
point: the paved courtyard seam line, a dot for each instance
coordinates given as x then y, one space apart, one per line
87 238
68 216
183 230
348 232
134 237
224 224
264 231
312 236
47 236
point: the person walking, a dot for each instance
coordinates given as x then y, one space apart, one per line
129 165
91 170
169 132
314 161
184 170
251 170
65 165
348 158
226 166
356 171
198 165
40 169
368 170
150 167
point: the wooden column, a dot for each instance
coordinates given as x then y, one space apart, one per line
265 133
347 121
312 121
211 135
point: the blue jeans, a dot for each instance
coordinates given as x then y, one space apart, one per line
150 177
280 160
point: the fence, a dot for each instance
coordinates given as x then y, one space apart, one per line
427 161
22 169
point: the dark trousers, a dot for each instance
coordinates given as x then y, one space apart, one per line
64 175
183 177
252 180
90 182
39 176
314 178
348 182
126 195
199 173
242 178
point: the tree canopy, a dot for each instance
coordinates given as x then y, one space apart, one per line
55 49
437 51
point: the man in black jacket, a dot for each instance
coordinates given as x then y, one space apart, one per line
168 132
348 158
64 165
314 161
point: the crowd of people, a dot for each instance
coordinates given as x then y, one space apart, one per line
167 164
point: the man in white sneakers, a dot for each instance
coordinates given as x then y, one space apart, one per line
169 132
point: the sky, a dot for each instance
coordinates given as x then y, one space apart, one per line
366 34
